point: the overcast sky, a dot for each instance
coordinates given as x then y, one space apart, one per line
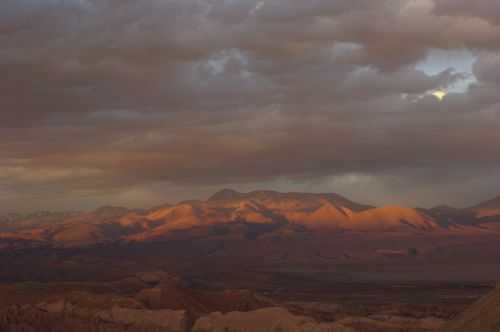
136 103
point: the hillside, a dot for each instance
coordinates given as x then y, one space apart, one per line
488 208
483 316
263 212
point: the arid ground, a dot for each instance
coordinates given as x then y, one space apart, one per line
316 255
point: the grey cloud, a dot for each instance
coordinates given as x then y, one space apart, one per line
485 9
115 96
487 68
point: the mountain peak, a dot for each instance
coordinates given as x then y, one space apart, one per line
442 209
225 194
270 195
110 211
491 204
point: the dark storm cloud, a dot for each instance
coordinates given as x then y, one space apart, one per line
107 99
487 68
485 9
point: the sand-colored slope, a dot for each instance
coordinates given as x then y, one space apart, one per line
483 316
311 212
390 218
263 320
393 218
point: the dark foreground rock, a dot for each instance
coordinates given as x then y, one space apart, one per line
483 316
65 317
263 320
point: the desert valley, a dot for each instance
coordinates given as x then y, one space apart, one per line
296 259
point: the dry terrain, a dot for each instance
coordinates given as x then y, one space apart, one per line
302 262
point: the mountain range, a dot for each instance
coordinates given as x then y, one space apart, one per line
230 213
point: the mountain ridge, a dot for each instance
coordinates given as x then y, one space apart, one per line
257 212
283 213
228 194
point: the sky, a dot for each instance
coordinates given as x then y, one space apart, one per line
137 103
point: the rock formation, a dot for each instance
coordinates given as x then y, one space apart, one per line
263 320
63 316
483 316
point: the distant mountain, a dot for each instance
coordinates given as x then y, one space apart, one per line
19 221
255 214
448 216
226 194
489 204
267 195
488 208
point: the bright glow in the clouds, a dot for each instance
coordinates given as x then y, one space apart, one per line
439 94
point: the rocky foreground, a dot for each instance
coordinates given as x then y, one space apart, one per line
483 316
45 310
157 301
64 316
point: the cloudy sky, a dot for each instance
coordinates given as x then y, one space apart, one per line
142 102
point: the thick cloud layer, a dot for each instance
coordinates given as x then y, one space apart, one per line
128 102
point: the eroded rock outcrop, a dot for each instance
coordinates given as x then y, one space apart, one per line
263 320
169 320
483 316
63 316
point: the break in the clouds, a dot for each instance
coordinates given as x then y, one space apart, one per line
139 102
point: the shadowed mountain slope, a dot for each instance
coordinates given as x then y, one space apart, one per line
229 211
488 208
